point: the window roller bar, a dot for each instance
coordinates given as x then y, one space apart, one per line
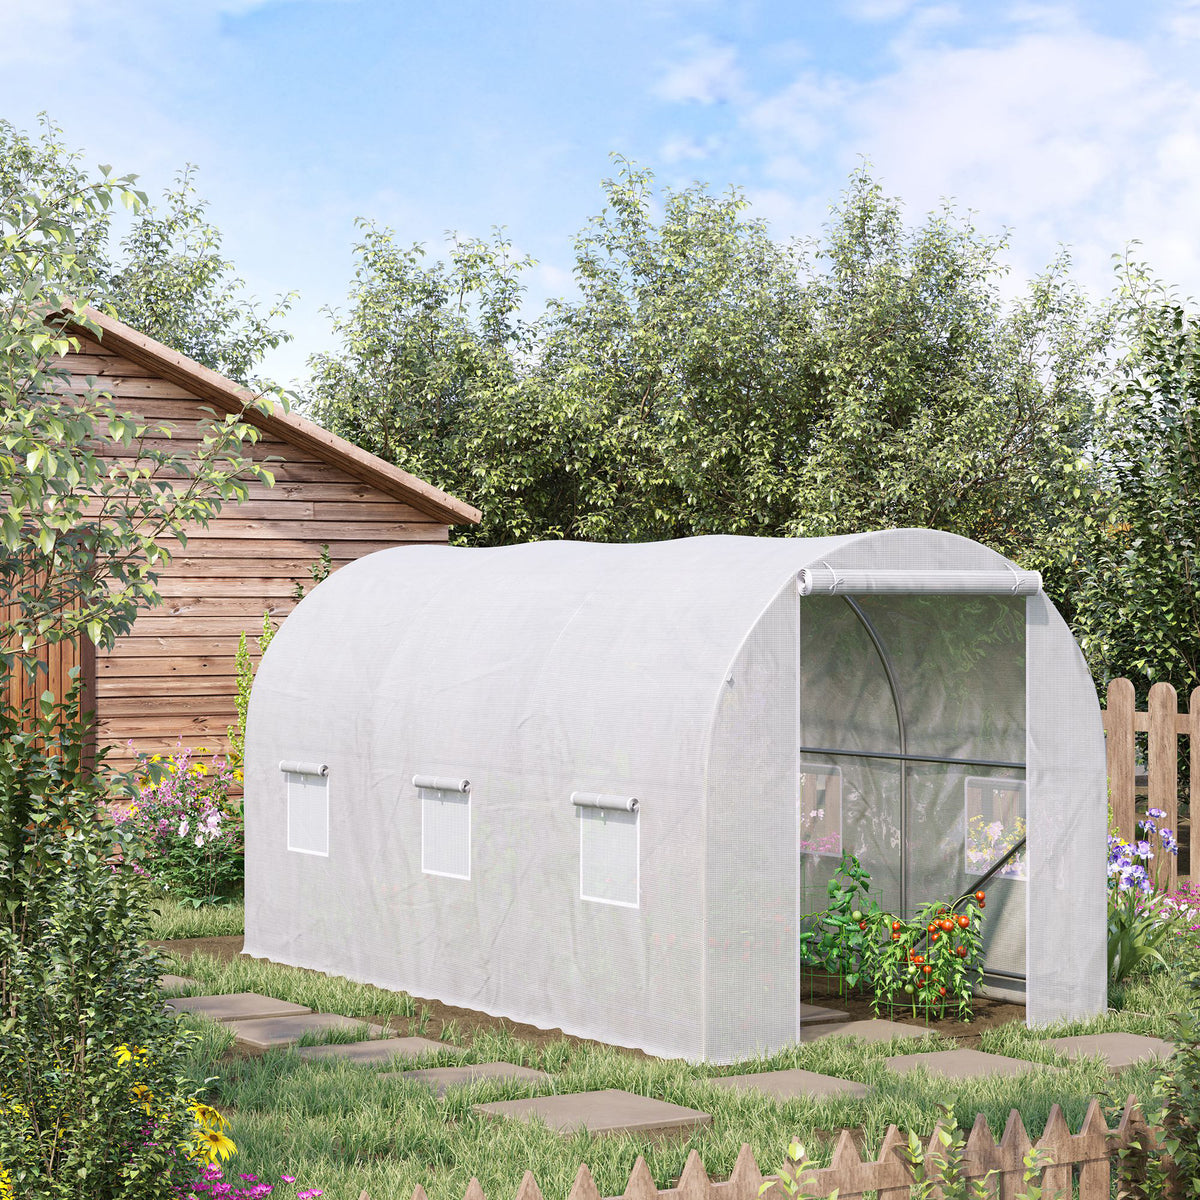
442 783
602 800
304 768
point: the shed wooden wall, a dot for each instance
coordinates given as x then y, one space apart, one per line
172 677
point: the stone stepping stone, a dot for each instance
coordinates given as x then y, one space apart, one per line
1119 1050
865 1031
608 1111
964 1064
794 1083
283 1031
236 1006
378 1050
176 983
814 1014
442 1079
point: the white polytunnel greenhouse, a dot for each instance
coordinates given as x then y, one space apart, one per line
584 785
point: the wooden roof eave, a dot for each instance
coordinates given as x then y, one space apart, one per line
229 397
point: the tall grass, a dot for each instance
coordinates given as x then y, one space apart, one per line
170 920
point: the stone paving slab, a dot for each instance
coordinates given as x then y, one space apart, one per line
283 1031
441 1079
963 1064
1119 1050
377 1050
814 1014
237 1006
608 1111
788 1085
864 1031
174 983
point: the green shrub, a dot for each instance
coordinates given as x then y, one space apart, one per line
1180 1088
93 1105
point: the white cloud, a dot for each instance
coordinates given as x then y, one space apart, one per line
708 73
1062 134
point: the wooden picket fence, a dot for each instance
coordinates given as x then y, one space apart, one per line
1081 1167
1165 725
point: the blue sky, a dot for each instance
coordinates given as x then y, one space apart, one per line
1067 123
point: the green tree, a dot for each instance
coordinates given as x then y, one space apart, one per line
92 1100
167 277
172 283
426 350
1136 570
708 379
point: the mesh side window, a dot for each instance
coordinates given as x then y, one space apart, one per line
820 810
608 856
446 833
307 813
995 822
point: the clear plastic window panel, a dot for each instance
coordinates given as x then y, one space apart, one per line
307 814
608 856
995 825
446 833
820 802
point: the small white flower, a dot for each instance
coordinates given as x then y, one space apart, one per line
184 827
199 839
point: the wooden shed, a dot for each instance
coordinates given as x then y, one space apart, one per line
172 677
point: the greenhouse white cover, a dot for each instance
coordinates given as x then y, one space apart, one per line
587 786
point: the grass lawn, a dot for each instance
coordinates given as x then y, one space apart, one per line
344 1129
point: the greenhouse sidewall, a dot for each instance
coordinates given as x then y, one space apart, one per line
517 938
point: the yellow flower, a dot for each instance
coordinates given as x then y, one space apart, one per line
213 1144
206 1115
5 1185
124 1056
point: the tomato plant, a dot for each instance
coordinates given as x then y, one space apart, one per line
928 964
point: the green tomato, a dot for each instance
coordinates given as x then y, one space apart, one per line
908 989
856 915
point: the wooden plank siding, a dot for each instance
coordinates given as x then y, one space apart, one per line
171 679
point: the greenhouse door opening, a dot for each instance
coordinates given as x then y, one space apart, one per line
911 755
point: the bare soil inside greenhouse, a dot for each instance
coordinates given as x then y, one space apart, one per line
466 1022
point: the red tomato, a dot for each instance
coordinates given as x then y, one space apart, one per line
862 924
964 921
935 937
941 991
930 928
918 958
961 951
895 937
946 925
983 904
927 969
980 897
896 927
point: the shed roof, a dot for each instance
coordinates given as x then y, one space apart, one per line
228 396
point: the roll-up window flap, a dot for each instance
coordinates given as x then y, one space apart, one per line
830 581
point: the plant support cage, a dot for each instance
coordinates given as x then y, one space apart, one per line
593 786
